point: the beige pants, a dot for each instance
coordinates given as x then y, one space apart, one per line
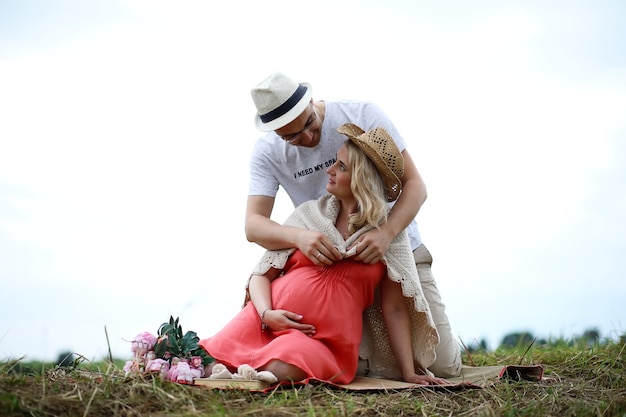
448 362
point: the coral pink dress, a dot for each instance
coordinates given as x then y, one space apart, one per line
331 298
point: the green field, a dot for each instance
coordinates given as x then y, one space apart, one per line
589 381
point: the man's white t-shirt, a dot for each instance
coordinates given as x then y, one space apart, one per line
302 171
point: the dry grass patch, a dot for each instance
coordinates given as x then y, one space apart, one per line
589 381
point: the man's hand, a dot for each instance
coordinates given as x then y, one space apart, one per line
371 246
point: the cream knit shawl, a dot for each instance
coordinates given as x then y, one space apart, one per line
321 215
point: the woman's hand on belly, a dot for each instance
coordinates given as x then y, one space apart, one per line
278 320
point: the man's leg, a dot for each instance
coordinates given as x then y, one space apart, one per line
448 362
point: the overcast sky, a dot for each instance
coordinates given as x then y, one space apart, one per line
126 128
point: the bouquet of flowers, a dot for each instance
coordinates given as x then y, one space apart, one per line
174 355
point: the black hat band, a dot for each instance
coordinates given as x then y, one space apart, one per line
285 107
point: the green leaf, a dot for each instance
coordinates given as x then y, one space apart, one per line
160 348
178 344
166 329
174 347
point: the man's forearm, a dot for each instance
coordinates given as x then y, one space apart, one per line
269 234
407 206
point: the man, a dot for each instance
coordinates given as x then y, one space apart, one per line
301 143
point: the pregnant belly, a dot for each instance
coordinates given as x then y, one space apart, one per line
328 296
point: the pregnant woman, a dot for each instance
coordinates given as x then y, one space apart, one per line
308 319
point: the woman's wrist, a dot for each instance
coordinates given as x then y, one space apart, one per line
264 325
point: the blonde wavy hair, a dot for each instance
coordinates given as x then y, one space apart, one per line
368 189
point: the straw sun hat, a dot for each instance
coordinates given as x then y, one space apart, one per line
279 100
383 151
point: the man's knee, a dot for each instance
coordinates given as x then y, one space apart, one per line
448 362
422 255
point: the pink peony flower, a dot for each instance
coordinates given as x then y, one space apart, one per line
196 361
159 365
196 367
150 356
142 343
172 373
128 367
184 375
131 367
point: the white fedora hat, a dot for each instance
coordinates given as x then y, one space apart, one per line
279 100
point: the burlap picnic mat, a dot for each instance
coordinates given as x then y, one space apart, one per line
472 377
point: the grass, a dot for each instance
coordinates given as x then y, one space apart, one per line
590 381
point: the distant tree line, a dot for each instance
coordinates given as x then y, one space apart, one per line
524 339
